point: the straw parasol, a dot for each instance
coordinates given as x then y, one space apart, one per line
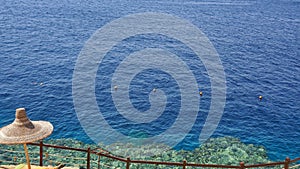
23 131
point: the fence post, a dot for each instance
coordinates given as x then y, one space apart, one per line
41 153
128 163
287 162
99 158
242 165
184 164
88 158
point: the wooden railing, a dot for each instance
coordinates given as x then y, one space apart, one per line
182 164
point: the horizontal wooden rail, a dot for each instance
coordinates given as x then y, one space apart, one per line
212 165
183 164
156 162
265 165
295 160
60 147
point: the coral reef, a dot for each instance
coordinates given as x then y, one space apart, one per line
222 150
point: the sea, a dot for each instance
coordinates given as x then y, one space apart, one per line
257 41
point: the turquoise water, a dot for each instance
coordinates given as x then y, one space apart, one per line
257 41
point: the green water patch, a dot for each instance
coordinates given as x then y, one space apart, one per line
223 150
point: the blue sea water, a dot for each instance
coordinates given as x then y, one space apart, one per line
257 41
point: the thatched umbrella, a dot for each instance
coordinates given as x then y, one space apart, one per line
23 131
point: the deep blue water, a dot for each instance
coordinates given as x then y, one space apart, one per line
257 41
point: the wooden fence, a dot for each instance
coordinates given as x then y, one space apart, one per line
182 164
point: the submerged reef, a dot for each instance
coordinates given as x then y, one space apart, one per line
222 150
